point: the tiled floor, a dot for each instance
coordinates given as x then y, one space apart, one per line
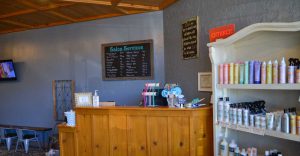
33 151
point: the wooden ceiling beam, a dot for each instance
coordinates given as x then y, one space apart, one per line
120 10
38 8
120 4
166 3
99 16
62 16
27 11
17 23
136 6
43 8
115 2
89 2
33 9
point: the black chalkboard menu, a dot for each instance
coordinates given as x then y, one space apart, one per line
127 60
190 38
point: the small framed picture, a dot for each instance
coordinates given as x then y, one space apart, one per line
205 81
83 99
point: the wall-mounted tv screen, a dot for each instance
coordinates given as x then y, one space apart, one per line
7 70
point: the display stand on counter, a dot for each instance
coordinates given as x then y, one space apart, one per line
261 42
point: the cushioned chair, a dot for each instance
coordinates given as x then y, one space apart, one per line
8 135
26 138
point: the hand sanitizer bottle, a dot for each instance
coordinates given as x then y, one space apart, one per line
96 99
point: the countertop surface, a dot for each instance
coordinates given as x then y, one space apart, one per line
209 106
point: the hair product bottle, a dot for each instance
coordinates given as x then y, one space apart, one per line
243 153
226 74
246 72
237 151
231 75
257 77
293 121
224 145
282 70
226 110
275 72
242 74
285 122
263 73
291 71
221 74
220 109
251 72
269 72
298 71
236 73
232 147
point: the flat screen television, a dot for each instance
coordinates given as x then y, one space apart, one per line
7 70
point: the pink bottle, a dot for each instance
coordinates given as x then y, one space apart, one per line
226 73
221 74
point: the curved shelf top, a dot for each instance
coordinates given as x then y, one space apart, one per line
283 27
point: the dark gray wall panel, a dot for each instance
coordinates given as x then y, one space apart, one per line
213 13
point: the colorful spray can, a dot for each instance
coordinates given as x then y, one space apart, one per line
251 72
246 72
231 75
269 73
226 74
221 74
264 73
275 72
236 73
242 73
282 71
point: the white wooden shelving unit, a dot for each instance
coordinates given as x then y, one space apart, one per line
264 42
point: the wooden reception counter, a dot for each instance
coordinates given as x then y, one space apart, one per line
138 131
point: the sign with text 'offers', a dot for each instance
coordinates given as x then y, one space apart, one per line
221 32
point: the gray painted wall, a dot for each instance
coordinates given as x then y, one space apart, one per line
213 13
71 52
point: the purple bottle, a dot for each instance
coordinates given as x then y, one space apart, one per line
257 77
251 72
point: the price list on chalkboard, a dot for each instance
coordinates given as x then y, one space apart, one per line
128 60
190 38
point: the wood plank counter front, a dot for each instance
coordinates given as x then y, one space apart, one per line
138 131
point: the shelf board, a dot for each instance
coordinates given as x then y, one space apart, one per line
262 132
260 86
283 135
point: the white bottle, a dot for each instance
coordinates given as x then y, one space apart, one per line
232 147
237 151
220 109
243 153
224 147
226 110
282 75
267 153
96 99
